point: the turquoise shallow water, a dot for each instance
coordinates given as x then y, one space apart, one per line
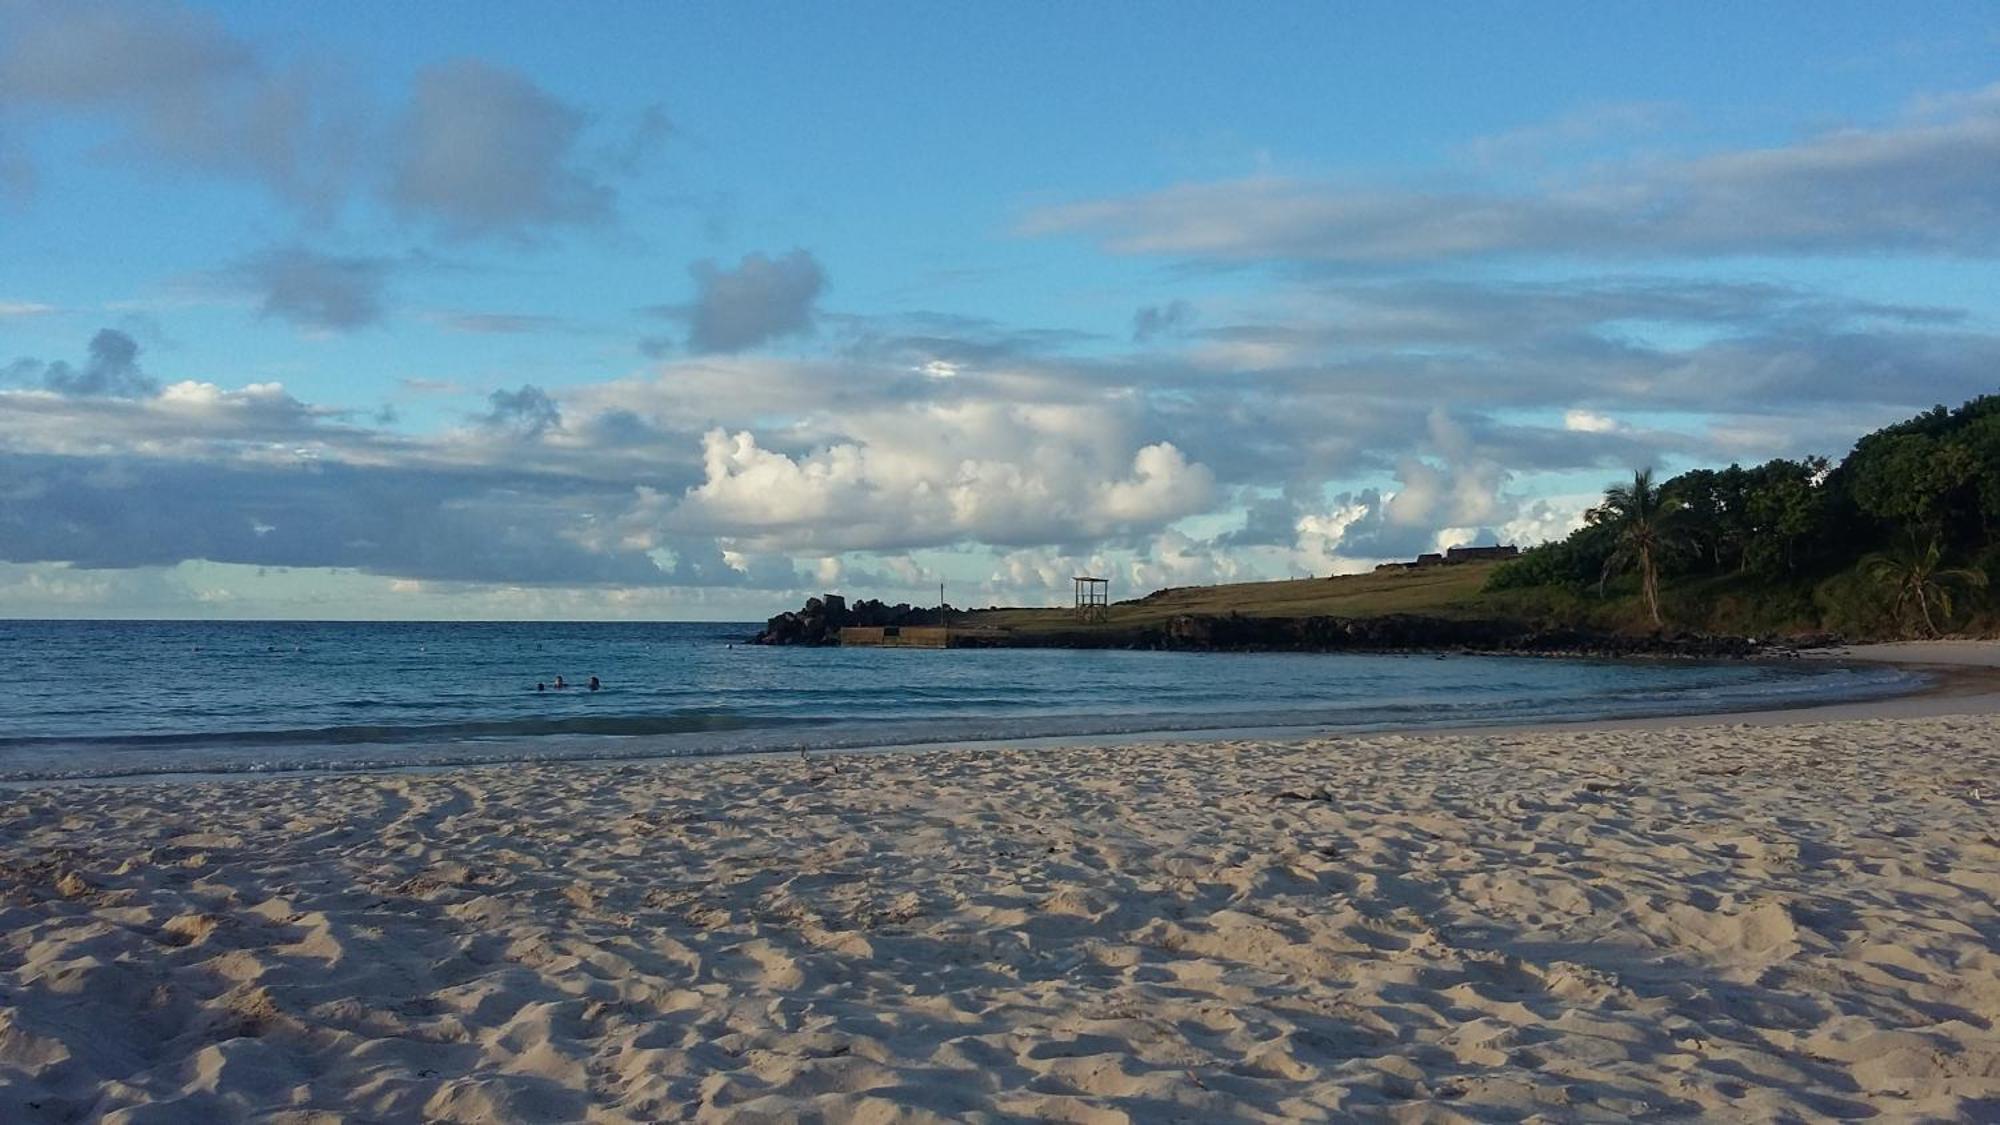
95 699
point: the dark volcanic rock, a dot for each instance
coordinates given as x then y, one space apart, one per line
822 619
820 622
1393 633
1408 632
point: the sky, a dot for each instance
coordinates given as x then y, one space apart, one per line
645 311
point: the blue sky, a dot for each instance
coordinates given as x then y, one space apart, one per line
457 310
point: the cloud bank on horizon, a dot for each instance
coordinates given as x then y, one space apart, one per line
297 319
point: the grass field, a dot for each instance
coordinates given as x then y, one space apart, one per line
1739 605
1735 605
1445 591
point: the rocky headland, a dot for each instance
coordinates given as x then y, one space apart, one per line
820 621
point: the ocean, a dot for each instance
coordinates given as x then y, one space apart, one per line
113 699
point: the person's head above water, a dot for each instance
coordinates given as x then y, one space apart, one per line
593 683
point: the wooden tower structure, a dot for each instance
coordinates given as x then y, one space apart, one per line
1093 599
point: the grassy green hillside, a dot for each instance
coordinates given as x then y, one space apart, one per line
1450 591
1738 605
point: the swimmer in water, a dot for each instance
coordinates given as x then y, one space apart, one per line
541 687
560 684
594 685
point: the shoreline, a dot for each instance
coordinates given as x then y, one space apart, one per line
623 753
1964 678
1966 682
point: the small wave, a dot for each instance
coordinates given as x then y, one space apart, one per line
603 725
716 730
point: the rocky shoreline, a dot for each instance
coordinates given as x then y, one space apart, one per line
822 618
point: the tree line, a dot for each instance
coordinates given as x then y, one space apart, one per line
1908 518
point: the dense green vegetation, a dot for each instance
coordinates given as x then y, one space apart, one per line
1902 538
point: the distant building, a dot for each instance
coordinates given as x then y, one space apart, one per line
1480 554
1453 557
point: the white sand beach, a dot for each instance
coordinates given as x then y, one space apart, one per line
1743 922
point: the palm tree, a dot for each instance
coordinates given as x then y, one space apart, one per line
1645 525
1913 572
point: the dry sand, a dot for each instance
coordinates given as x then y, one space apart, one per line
1790 922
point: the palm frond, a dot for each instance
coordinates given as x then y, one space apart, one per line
1965 576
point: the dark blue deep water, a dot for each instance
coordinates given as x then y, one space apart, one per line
124 698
